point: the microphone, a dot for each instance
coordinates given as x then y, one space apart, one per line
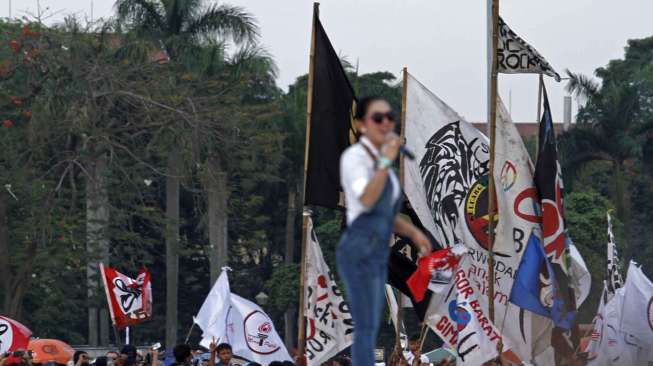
407 152
402 148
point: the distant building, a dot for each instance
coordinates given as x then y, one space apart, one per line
526 129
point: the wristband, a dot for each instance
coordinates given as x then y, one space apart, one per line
384 163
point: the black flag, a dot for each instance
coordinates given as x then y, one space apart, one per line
331 123
548 181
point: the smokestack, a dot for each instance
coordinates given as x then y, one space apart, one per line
567 115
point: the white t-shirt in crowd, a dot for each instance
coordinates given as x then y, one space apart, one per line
356 170
410 357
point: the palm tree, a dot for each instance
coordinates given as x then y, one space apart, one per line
609 129
183 26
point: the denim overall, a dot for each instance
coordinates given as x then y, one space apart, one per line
362 258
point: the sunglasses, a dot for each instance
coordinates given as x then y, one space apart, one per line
379 117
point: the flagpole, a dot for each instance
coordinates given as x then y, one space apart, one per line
539 98
190 331
306 213
402 170
493 128
540 87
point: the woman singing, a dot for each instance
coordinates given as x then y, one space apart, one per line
372 195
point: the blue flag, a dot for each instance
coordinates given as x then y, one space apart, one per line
535 288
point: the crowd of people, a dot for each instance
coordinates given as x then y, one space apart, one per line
182 355
217 355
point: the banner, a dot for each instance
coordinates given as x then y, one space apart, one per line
516 56
130 300
548 180
13 335
462 323
330 125
637 314
615 280
329 326
447 187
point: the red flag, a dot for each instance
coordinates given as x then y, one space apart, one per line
13 335
432 267
130 300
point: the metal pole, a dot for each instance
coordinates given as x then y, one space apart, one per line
491 185
301 323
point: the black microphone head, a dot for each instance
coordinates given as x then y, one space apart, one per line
407 153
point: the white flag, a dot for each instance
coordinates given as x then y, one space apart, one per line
451 158
462 323
329 326
447 186
618 347
515 56
213 312
637 314
579 275
229 318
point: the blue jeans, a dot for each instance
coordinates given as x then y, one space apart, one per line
362 258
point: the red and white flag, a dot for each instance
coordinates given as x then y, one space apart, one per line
434 271
13 335
130 300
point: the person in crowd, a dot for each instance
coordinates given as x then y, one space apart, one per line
128 356
19 357
152 358
80 358
183 355
101 361
414 356
372 195
112 357
224 353
342 361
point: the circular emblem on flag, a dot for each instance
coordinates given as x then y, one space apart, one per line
649 313
459 314
6 336
508 175
257 327
476 212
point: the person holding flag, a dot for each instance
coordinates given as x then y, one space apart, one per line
372 195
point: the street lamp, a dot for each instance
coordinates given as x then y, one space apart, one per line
262 298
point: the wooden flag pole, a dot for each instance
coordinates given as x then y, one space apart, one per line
306 213
493 129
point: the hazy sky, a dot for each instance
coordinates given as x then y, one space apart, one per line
443 43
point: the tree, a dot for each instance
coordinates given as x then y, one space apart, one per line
182 24
613 123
